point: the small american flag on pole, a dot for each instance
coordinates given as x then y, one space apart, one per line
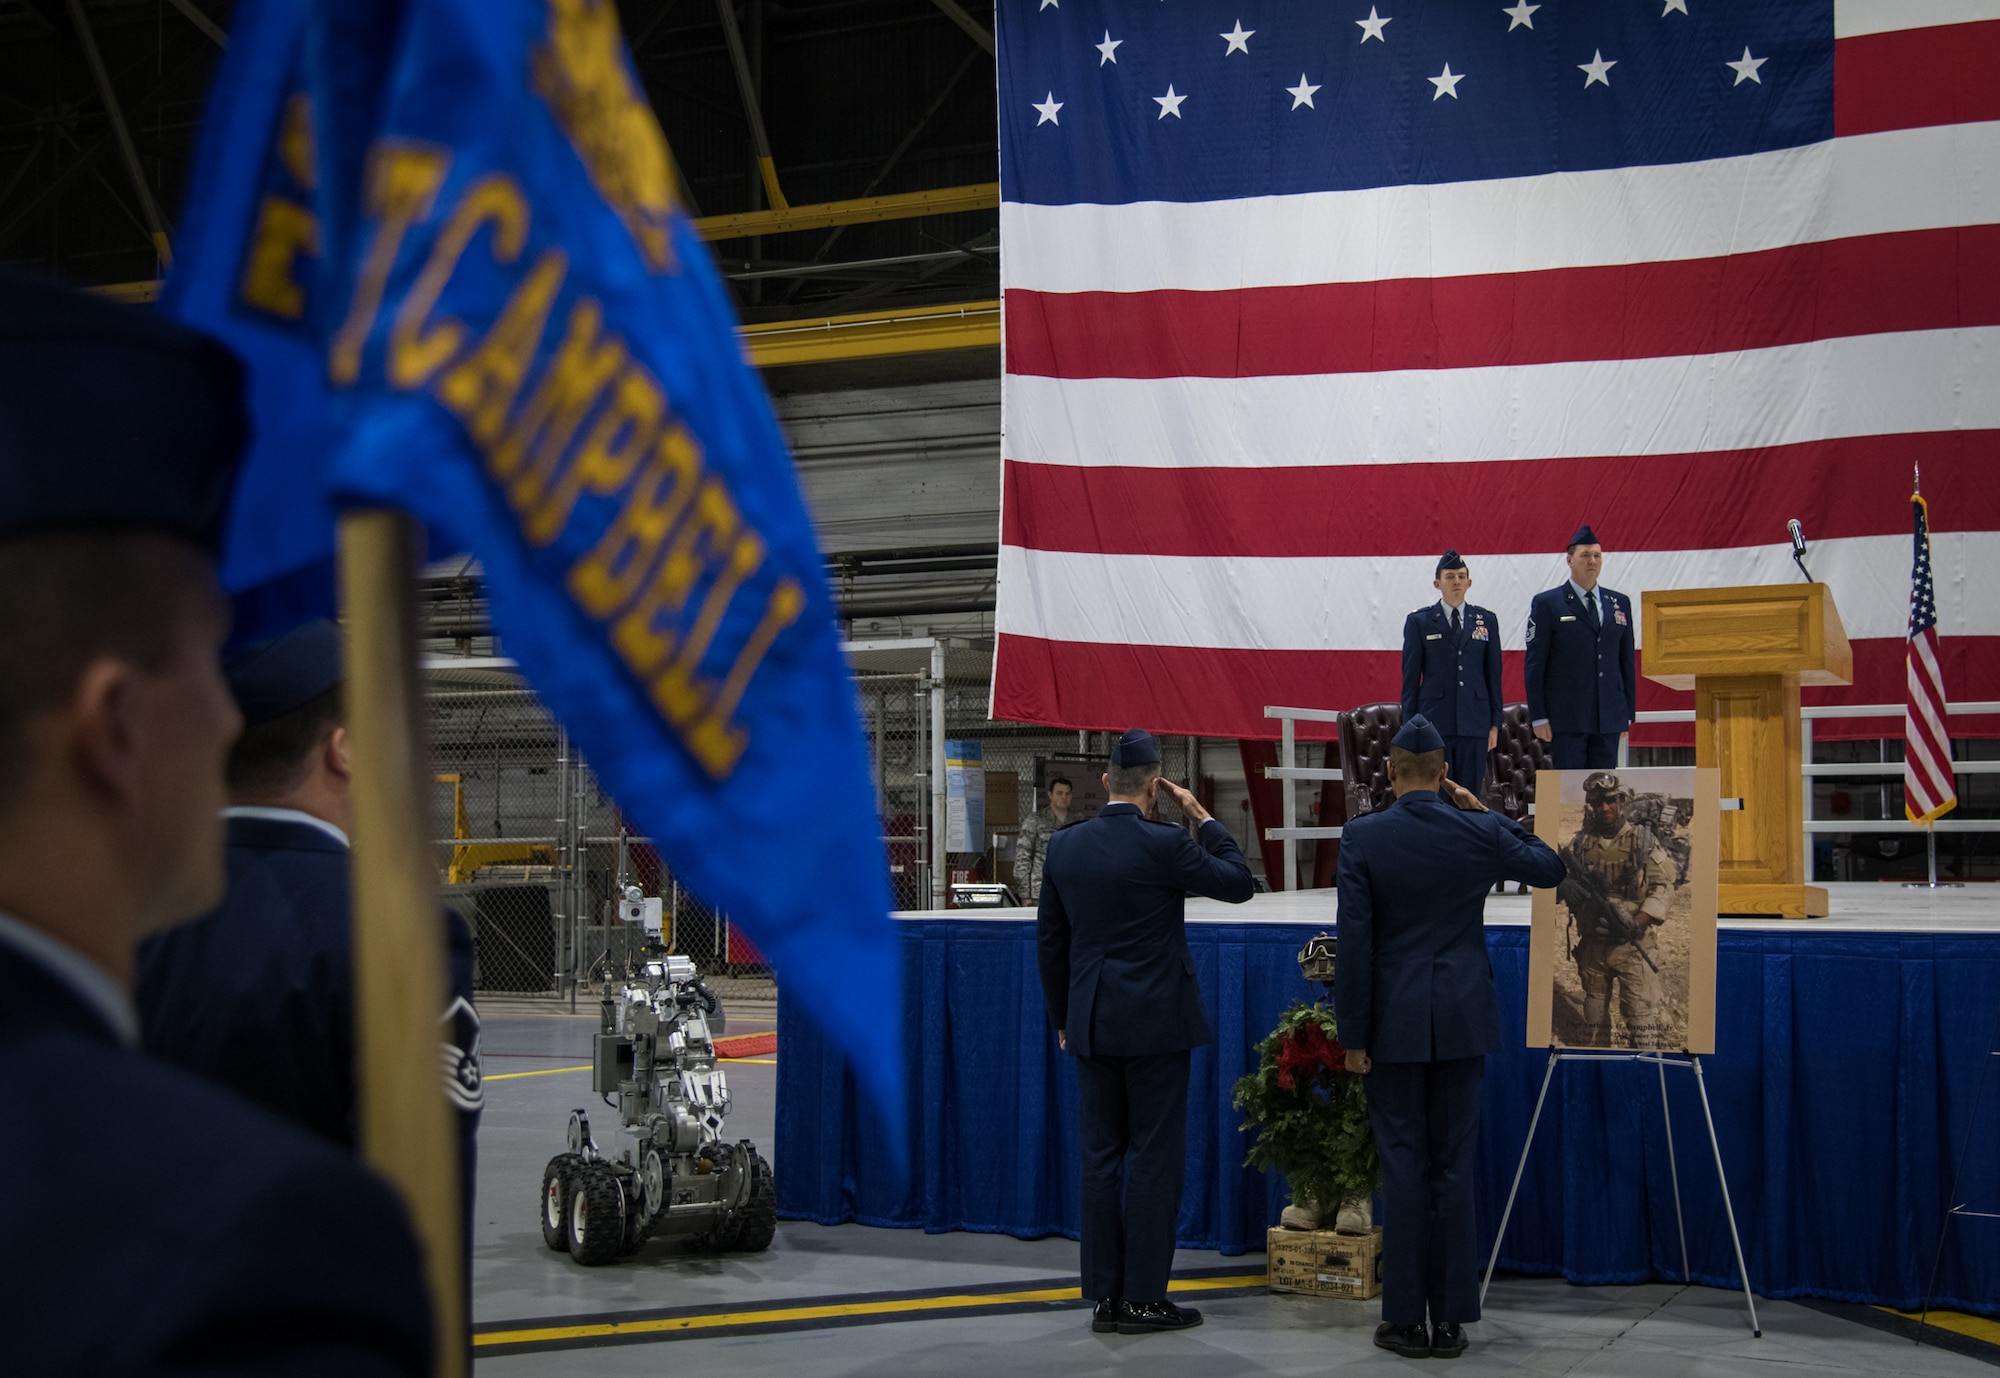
1929 788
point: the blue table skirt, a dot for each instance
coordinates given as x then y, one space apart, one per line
1843 1088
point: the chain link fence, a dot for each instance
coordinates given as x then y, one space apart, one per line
536 857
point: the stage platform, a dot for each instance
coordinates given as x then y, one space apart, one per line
1880 908
1849 1063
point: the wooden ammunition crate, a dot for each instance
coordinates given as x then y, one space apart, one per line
1321 1263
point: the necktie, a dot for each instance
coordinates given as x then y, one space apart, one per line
1590 599
1454 624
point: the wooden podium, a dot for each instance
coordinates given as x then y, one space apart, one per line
1745 652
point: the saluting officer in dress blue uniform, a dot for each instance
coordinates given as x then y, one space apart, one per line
1451 672
160 1222
1121 992
1413 996
1583 681
259 995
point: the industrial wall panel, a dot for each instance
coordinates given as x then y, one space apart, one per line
901 467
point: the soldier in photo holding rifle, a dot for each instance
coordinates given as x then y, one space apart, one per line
1621 880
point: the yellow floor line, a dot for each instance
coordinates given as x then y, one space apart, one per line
1974 1327
551 1071
840 1311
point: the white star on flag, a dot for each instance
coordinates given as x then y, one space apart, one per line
1446 82
1170 104
1049 105
1238 40
1597 69
1045 4
1746 67
1371 27
1521 15
1108 49
1302 94
1672 5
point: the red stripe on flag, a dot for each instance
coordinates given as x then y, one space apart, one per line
1653 502
1919 280
1221 692
1912 78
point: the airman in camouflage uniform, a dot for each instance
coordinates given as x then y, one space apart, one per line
1638 875
1032 848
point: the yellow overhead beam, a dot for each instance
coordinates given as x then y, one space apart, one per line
919 330
130 293
872 335
865 211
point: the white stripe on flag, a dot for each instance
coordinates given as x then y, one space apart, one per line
1338 603
1927 686
1867 184
1853 18
1888 384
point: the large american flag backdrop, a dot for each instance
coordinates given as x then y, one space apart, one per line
1296 295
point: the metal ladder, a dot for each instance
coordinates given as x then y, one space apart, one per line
1291 773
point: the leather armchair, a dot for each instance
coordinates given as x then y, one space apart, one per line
1511 766
1364 735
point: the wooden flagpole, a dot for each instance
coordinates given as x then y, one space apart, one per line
399 966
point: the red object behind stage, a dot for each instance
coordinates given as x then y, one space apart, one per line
1214 692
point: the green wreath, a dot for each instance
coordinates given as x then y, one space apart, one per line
1308 1113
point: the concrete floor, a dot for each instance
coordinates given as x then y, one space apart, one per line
803 1290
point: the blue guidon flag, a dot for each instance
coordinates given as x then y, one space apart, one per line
1274 270
445 235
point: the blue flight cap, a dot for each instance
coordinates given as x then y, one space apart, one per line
1418 735
113 416
1584 536
274 677
1135 748
1450 560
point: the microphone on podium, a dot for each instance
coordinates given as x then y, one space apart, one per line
1799 547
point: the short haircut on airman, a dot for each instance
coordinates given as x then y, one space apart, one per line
274 758
1405 764
1129 780
70 597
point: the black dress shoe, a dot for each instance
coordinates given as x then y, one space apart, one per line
1410 1341
1447 1340
1142 1318
1104 1316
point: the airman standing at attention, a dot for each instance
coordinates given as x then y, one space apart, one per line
1418 1011
1032 850
259 995
1583 681
180 1229
1111 940
1451 672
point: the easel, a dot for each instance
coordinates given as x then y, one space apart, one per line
1662 1061
1955 1208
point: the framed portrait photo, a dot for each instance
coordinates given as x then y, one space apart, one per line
1622 954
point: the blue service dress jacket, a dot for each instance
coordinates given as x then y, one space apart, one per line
1582 680
1412 980
259 995
1111 933
162 1224
1452 680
